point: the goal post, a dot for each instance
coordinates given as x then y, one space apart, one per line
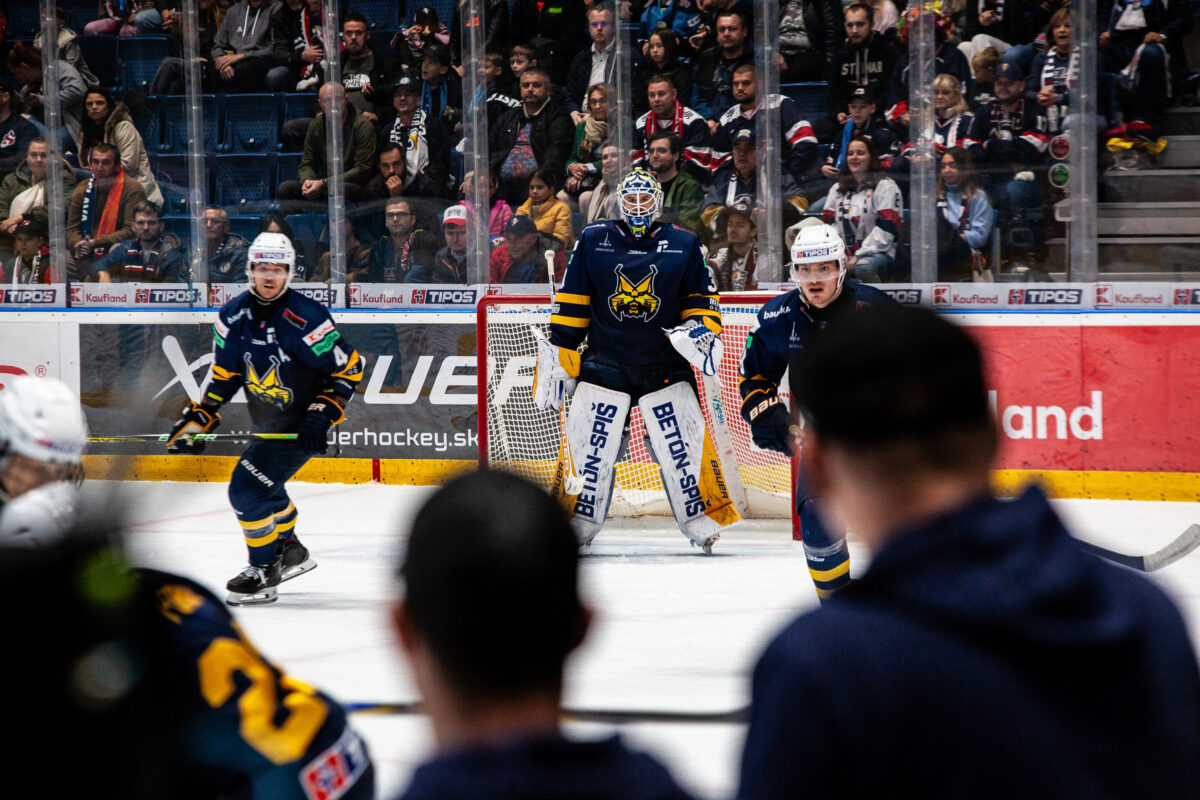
517 436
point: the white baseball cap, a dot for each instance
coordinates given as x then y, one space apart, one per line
455 215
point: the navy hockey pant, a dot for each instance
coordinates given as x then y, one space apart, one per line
259 496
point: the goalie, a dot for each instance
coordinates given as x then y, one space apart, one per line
639 293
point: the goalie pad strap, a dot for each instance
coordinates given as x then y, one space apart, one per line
594 427
691 471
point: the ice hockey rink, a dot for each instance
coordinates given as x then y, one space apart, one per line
674 630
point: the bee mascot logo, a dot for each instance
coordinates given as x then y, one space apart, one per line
268 388
634 301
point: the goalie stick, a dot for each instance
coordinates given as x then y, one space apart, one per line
739 715
206 437
1176 549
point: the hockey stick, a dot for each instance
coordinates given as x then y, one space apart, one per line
572 484
580 715
205 437
1179 547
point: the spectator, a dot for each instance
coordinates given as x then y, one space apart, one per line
31 260
922 648
947 60
25 64
995 23
669 114
226 251
127 18
495 38
1053 74
23 191
683 196
394 179
705 35
169 78
556 28
887 14
358 154
737 180
299 45
366 72
68 48
520 59
357 248
601 202
449 264
150 256
499 98
679 17
661 55
713 90
862 122
983 73
491 609
16 132
865 206
242 52
306 250
810 32
523 256
867 59
733 266
583 167
966 219
106 121
101 210
501 212
539 134
426 30
797 137
405 253
551 215
593 65
425 138
950 128
441 88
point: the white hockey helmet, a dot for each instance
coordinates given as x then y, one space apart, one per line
272 248
41 419
816 244
640 198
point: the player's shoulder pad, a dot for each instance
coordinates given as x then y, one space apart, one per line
236 309
181 599
780 308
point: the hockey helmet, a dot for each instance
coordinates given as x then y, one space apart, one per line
41 419
272 248
640 199
817 244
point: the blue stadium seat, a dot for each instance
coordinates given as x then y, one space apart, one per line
148 121
245 226
379 13
171 172
251 123
299 104
100 53
245 183
286 166
174 111
80 13
809 96
140 59
24 19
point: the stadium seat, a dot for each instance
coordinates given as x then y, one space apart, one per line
174 111
251 123
181 226
80 13
287 166
809 96
245 183
24 19
148 121
100 53
299 104
171 172
379 13
140 59
245 226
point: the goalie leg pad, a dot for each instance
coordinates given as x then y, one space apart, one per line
691 470
595 425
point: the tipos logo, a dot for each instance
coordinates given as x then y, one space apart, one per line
1045 297
27 296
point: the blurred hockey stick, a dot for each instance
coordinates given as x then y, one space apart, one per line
1179 547
580 715
206 437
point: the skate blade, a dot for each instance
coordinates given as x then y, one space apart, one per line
707 546
268 595
304 566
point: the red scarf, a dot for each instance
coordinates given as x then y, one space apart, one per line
676 122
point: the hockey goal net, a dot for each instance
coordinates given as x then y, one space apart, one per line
517 436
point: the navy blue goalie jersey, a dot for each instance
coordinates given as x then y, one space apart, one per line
284 354
620 292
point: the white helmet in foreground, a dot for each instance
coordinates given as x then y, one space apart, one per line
271 248
817 244
41 419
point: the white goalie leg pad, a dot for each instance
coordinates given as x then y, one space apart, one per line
691 470
595 424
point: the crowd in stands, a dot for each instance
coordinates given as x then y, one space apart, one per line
1005 75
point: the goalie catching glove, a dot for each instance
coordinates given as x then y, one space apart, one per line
699 345
770 425
323 414
198 418
557 370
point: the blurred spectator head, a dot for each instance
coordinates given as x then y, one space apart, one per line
25 63
398 217
147 221
435 63
535 88
521 237
600 25
1058 30
7 90
355 34
104 162
493 67
1009 83
276 222
454 228
984 63
38 157
610 161
662 49
948 95
427 18
662 152
391 160
97 104
597 100
330 94
30 238
745 160
314 8
943 24
216 224
859 19
955 169
859 107
522 58
660 93
731 33
745 84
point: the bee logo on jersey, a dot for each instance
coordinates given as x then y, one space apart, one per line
635 301
267 388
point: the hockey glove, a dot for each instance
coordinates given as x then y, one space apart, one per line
699 345
557 370
323 414
769 425
197 419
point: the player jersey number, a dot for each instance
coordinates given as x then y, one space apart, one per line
280 744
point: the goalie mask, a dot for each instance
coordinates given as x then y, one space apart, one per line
271 248
640 199
818 257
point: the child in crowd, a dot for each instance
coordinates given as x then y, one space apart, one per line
551 215
983 67
861 122
520 59
501 211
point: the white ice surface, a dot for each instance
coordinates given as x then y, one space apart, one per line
674 630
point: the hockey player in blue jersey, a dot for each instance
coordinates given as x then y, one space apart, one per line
299 374
638 292
784 327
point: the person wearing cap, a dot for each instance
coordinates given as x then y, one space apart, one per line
426 30
733 266
449 264
425 139
683 196
668 113
861 121
982 654
738 177
522 258
796 133
441 87
31 260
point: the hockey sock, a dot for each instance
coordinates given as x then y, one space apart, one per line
262 540
285 523
828 558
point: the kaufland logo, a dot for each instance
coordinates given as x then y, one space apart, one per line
941 295
355 294
1049 421
362 297
1104 295
76 293
1187 297
30 296
1045 297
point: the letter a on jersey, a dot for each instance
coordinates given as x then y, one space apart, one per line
634 301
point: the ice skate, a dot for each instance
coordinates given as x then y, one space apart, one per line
294 560
707 544
254 585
